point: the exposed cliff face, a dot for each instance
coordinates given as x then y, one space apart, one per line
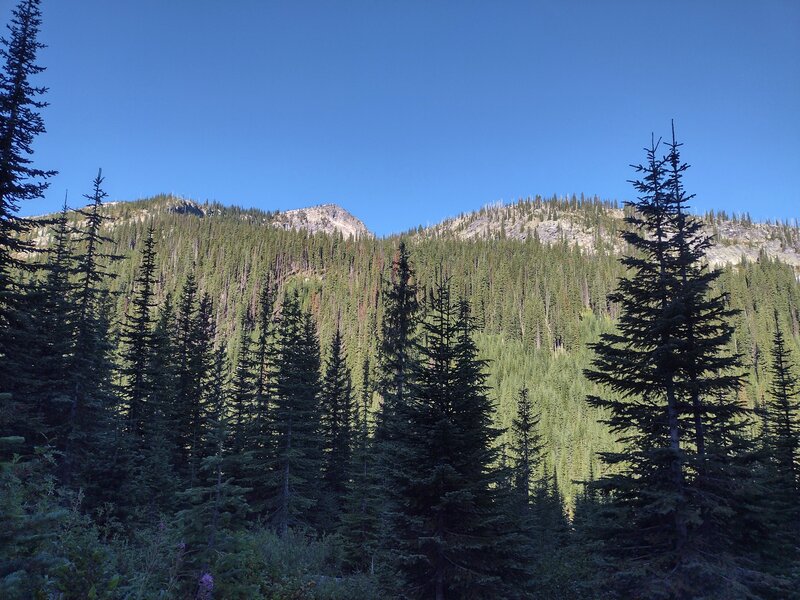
325 218
595 226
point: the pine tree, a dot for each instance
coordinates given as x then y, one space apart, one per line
158 479
216 504
336 430
783 412
45 340
195 336
671 492
447 526
526 446
782 449
262 447
89 429
295 420
242 408
20 181
397 358
137 340
397 345
360 521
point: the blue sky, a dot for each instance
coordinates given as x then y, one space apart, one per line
409 112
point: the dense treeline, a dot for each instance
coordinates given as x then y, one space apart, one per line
196 404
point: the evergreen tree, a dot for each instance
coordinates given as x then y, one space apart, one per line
671 493
397 345
295 420
195 336
88 433
526 446
265 358
360 521
137 340
216 505
783 412
782 449
242 410
448 525
45 341
157 478
20 181
336 429
397 356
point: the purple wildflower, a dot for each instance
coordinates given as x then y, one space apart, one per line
205 586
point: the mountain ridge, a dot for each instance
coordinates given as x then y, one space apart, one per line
592 225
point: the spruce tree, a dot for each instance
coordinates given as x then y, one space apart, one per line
242 409
195 336
45 341
397 358
262 447
20 181
215 504
88 433
360 521
783 412
158 479
336 428
782 449
137 340
295 420
672 495
526 446
447 528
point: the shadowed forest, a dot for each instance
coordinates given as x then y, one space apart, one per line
195 403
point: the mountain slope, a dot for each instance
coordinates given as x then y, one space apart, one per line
325 218
594 225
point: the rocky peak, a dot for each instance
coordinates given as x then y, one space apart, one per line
324 218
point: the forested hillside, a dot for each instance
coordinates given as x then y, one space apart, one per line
539 301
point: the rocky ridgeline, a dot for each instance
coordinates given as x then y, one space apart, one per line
595 226
325 218
592 226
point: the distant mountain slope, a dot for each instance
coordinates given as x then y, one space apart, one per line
593 225
326 218
323 218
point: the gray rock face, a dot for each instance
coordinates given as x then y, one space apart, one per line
736 240
325 218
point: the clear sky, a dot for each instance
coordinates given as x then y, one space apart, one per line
408 112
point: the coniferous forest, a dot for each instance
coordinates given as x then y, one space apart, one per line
196 404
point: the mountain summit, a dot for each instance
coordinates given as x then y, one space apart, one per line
324 218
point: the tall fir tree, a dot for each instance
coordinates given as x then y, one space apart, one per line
448 526
336 429
781 444
397 351
46 338
397 360
137 341
215 505
242 410
666 363
194 340
360 521
295 420
265 358
20 181
526 446
89 428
